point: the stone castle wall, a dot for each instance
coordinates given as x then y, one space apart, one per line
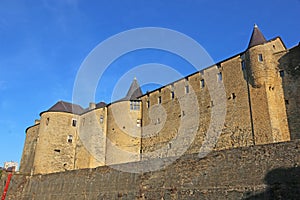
179 118
290 66
27 160
257 172
54 151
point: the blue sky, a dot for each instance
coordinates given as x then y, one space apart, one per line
43 43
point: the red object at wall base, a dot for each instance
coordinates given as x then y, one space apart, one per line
6 186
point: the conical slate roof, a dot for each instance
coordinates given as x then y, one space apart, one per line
257 37
134 91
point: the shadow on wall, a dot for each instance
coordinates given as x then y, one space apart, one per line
282 184
289 66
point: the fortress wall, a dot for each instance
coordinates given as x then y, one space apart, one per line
123 135
266 171
237 128
91 140
290 64
166 121
32 134
53 150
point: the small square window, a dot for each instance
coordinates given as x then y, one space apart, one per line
101 119
74 122
70 138
281 73
260 57
286 101
138 122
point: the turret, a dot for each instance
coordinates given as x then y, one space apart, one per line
260 59
265 88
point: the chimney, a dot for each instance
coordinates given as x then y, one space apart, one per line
92 106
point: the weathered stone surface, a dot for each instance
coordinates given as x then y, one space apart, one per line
266 171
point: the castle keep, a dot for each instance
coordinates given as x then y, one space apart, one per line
261 97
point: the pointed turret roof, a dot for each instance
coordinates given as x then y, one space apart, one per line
257 37
134 91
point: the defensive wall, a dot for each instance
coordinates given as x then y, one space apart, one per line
269 171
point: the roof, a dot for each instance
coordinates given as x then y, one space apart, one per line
257 37
63 106
101 104
134 91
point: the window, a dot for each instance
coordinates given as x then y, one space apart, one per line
233 95
74 122
202 83
134 105
243 65
57 150
70 138
187 89
148 104
172 95
138 122
131 105
281 73
158 121
47 121
220 78
101 119
287 102
260 58
159 100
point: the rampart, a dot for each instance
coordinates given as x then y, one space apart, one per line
268 171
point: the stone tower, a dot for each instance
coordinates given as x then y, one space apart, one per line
265 88
55 148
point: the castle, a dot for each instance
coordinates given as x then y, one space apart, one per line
261 98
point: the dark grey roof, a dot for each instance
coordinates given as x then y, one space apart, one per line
63 106
101 104
134 91
257 37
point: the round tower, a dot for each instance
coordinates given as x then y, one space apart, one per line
261 63
55 149
267 105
